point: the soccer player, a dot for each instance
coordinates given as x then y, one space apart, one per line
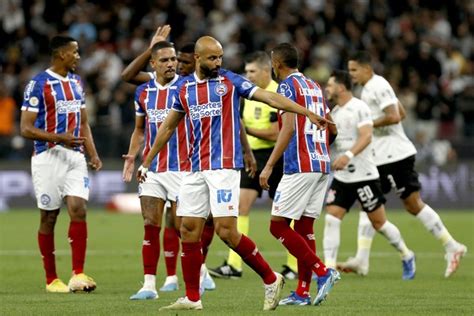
133 74
54 116
356 176
300 193
394 155
210 100
261 123
153 101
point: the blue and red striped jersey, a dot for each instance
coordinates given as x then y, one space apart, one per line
58 101
212 106
308 150
154 101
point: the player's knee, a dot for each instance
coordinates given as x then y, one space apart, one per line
78 213
413 203
48 219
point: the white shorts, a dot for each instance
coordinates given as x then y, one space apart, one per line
59 172
300 194
215 191
162 185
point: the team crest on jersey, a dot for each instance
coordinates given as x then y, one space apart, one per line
331 196
45 199
220 89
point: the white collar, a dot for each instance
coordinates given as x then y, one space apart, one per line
56 75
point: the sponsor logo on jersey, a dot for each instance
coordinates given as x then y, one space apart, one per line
206 110
29 88
316 156
157 115
68 106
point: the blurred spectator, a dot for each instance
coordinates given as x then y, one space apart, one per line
424 48
7 120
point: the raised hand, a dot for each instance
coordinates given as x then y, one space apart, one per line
161 34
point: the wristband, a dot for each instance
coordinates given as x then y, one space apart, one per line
349 154
142 169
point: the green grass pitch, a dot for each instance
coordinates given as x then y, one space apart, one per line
114 260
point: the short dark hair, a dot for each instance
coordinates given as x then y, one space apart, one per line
259 57
58 42
187 48
362 57
342 77
288 54
160 45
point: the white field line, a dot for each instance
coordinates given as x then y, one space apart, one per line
220 253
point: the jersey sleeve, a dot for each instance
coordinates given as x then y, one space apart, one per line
177 103
80 86
139 106
363 115
385 95
33 96
286 90
245 88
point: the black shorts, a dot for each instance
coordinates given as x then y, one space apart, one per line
368 193
401 176
262 155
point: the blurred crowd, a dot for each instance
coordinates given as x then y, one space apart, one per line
424 48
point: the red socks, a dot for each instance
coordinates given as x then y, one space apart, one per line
304 227
78 240
191 260
151 249
206 239
171 249
46 246
248 251
297 246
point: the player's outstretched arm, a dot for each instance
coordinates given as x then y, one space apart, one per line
249 158
164 133
136 141
133 72
391 116
28 130
278 101
95 161
284 137
363 140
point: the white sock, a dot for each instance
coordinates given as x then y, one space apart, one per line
433 223
365 235
331 240
150 282
394 237
171 279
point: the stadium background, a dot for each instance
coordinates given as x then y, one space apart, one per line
424 48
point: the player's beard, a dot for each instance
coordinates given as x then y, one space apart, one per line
210 73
